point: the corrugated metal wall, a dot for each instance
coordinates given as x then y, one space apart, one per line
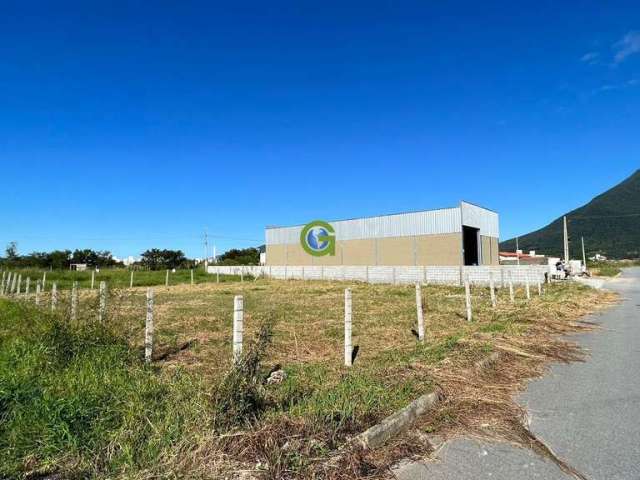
428 222
478 217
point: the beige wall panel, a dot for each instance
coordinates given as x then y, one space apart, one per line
495 251
396 251
489 250
358 252
330 259
275 255
485 250
297 256
444 249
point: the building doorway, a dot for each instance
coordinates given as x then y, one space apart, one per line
470 241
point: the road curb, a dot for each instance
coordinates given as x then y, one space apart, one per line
397 422
401 420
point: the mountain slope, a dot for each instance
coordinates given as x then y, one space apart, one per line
610 224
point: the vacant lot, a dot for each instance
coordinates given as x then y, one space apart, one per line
78 399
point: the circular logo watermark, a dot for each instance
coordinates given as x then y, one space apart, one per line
318 239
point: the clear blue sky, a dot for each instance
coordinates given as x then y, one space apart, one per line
129 125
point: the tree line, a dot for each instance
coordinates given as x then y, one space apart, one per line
151 259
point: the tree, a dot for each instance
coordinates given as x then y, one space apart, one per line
244 256
156 259
11 251
59 259
93 258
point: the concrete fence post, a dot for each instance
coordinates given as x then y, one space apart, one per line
7 285
54 296
241 274
492 289
166 279
467 298
238 327
4 274
74 301
348 347
539 288
526 286
37 299
19 287
420 313
131 280
102 308
393 275
192 276
148 327
44 281
14 284
27 286
217 276
511 294
93 278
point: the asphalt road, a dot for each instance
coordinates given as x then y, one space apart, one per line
587 413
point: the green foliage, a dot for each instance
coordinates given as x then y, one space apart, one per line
156 259
610 225
80 402
56 259
93 258
120 278
246 256
241 397
12 251
604 269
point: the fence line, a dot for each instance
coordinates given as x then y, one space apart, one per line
347 273
406 275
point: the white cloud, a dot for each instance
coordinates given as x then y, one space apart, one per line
590 57
629 45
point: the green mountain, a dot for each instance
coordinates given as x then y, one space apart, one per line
610 225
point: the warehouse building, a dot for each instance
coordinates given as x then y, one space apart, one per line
463 235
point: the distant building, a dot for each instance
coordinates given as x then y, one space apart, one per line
80 267
462 235
518 257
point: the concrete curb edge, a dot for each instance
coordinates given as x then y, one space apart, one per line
397 422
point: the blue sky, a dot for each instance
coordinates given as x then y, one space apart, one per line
124 127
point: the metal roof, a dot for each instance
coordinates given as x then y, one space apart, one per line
427 222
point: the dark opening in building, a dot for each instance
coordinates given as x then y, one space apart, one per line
470 237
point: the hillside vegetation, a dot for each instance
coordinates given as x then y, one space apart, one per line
610 225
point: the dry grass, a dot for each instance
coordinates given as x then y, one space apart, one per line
301 438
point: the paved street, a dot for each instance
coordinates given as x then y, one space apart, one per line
587 413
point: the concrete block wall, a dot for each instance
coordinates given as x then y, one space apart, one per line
449 275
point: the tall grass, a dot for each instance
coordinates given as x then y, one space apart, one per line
78 401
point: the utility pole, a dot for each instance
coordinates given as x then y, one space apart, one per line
517 254
566 240
584 257
206 250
